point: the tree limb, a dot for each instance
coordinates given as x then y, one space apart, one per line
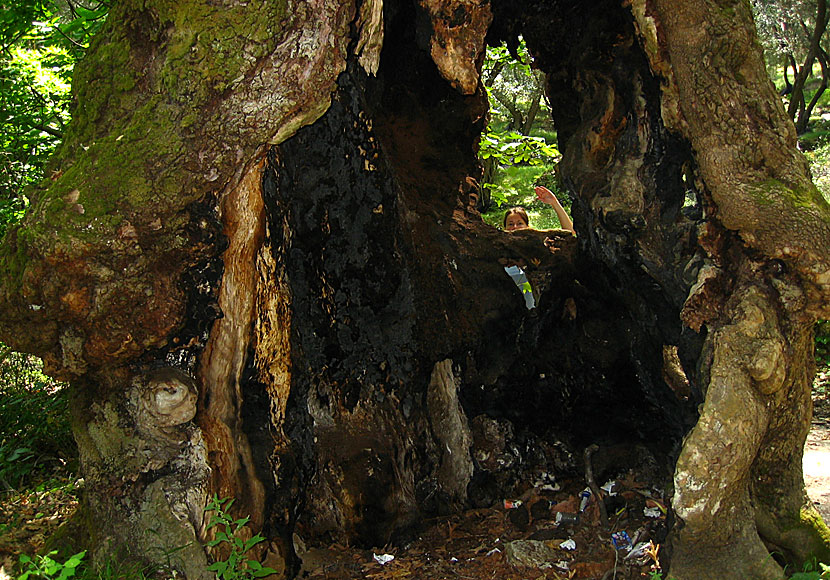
796 109
535 103
493 73
515 113
47 129
821 56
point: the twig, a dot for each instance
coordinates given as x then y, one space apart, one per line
589 478
47 129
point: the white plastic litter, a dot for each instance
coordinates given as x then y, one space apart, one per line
609 486
383 559
652 512
568 545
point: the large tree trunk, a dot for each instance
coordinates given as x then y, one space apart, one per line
257 266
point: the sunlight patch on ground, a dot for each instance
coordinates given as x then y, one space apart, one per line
816 466
816 463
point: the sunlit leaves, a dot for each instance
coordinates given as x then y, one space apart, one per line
66 23
34 102
785 26
49 568
40 41
511 148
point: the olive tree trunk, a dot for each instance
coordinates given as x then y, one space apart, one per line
256 264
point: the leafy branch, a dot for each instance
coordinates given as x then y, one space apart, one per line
509 148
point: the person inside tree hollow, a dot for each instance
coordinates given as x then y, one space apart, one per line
516 219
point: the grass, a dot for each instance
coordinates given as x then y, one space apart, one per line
518 182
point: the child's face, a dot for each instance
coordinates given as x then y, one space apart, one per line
514 222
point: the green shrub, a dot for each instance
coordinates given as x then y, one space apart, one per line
823 342
35 433
237 565
812 570
47 568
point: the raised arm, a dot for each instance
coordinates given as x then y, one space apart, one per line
547 196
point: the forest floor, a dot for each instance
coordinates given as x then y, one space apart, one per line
817 448
517 540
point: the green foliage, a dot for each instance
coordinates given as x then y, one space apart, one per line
47 568
11 211
40 42
813 570
34 420
34 84
77 567
779 25
823 342
509 149
819 157
516 160
513 88
237 565
813 575
512 148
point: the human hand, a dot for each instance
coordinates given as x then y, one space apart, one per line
545 195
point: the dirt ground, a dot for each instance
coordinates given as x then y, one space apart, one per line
539 535
817 458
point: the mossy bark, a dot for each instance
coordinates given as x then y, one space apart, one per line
116 267
173 100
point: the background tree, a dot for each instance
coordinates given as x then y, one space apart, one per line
793 32
517 90
256 266
518 150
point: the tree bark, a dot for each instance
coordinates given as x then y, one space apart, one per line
258 267
756 360
535 105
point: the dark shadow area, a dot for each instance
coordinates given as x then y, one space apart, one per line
389 274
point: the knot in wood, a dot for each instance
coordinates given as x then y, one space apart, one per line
168 398
767 366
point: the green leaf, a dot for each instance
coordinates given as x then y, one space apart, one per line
252 542
262 572
75 559
241 522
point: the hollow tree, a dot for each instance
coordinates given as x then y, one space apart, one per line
255 264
